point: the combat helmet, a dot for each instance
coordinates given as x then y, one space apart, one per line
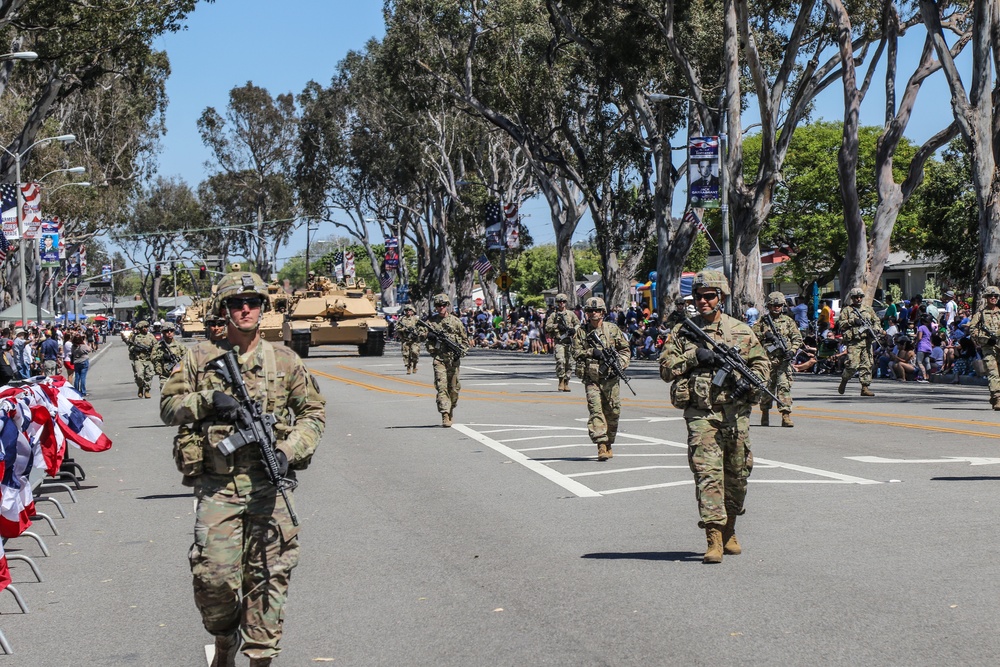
775 299
142 324
408 308
857 291
595 303
712 279
991 290
562 297
243 283
441 300
168 328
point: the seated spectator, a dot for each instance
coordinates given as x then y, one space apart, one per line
903 364
937 355
967 355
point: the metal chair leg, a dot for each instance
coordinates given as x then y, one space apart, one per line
30 562
7 648
68 476
19 599
57 485
36 538
48 520
69 465
54 502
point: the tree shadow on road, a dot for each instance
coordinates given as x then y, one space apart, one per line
977 478
678 556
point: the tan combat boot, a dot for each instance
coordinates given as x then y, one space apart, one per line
602 452
226 648
843 385
408 370
610 455
865 391
446 419
140 393
730 544
566 384
713 533
786 420
146 394
765 418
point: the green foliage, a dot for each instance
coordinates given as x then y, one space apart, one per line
931 290
532 301
947 223
696 260
895 293
535 270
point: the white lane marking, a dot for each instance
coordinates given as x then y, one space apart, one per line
562 480
537 437
971 460
618 445
507 384
209 653
647 487
522 427
484 370
617 470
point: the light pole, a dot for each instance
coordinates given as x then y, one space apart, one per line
19 55
38 246
22 280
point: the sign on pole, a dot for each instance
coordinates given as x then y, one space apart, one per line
703 172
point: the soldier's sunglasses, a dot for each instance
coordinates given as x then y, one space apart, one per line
706 297
217 323
237 302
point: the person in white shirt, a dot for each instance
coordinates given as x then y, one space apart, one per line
950 306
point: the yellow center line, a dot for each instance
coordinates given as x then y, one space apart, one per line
947 420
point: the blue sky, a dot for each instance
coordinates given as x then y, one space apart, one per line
281 46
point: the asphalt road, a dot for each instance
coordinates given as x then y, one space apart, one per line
869 536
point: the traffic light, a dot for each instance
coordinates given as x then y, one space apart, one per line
203 272
157 271
329 267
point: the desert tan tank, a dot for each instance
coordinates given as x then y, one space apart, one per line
273 319
191 322
329 314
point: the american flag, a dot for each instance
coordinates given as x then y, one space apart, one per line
8 202
385 280
4 247
483 265
510 211
582 290
692 217
493 214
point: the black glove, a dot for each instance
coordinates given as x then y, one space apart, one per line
225 406
992 340
705 356
769 337
790 354
570 331
282 460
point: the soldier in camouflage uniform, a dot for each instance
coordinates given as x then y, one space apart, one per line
984 327
167 353
561 325
856 323
140 351
245 544
410 337
599 383
782 339
446 363
718 423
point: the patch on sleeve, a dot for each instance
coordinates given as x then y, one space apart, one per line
312 378
176 368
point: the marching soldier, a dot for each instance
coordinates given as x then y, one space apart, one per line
140 351
717 416
984 328
599 382
410 337
446 361
245 539
781 338
561 325
167 353
857 324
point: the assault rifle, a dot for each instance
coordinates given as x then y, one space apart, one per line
253 427
610 359
778 341
866 326
729 360
565 332
144 349
437 335
168 355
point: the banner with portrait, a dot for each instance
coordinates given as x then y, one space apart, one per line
48 245
703 172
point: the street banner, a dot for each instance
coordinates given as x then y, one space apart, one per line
31 196
392 253
703 172
8 210
494 226
49 245
106 272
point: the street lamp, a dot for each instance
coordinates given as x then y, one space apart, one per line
22 281
19 55
71 170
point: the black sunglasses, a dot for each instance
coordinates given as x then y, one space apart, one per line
216 323
237 302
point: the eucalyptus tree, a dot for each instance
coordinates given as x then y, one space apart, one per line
254 148
976 111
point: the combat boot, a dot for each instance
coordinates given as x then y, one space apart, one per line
602 452
146 394
765 418
140 393
843 385
446 419
610 455
730 545
226 648
786 420
713 533
408 370
865 391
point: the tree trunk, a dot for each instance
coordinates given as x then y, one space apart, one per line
566 208
746 283
675 245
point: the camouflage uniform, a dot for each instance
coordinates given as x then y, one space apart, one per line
446 364
562 325
410 338
245 545
142 359
859 345
718 428
780 380
600 385
162 353
984 327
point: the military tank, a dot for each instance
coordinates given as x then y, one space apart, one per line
273 319
192 320
330 314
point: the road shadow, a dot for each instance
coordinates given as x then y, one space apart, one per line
976 478
677 556
416 426
165 496
545 459
151 426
